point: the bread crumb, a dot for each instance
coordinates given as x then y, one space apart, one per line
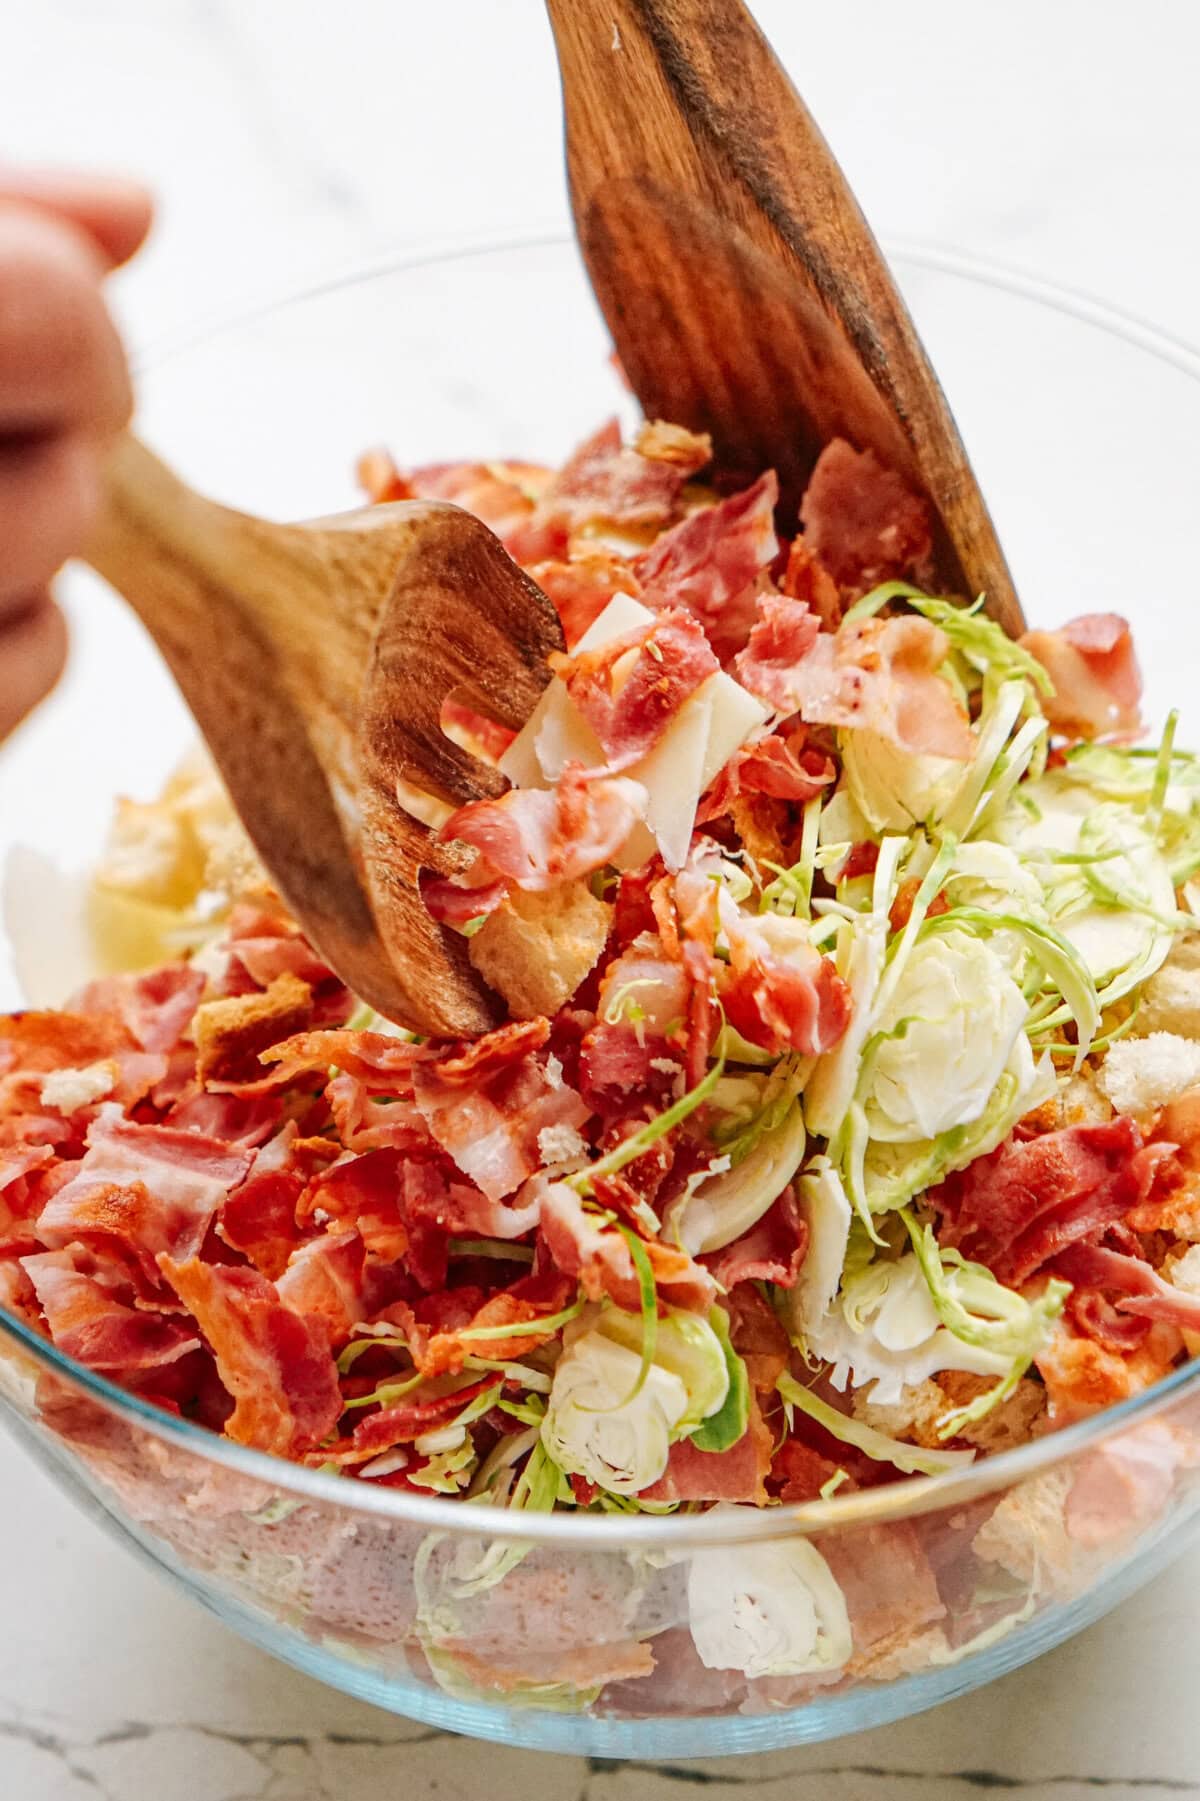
66 1090
536 949
1140 1074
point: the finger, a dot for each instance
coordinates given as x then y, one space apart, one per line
62 367
114 212
49 496
33 650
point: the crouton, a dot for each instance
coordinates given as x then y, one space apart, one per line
1171 998
66 1090
1027 1535
916 1415
1140 1075
1078 1102
536 949
662 442
230 1033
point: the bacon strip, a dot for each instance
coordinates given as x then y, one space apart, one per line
1097 682
1027 1202
631 688
538 838
87 1322
773 1250
861 522
148 1188
713 563
276 1365
490 1125
1141 1289
879 674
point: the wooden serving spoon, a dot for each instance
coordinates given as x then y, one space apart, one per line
742 286
316 659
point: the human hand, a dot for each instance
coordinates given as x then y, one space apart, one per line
64 392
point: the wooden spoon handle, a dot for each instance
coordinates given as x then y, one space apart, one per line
744 290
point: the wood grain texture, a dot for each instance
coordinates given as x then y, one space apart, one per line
745 293
315 659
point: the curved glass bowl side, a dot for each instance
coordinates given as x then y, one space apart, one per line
690 1649
425 1606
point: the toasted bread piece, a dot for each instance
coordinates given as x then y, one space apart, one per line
536 949
916 1415
1141 1074
230 1033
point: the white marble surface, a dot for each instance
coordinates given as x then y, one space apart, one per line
288 138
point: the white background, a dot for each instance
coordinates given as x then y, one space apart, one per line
290 138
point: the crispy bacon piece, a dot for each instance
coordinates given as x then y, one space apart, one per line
88 1322
400 1424
383 1064
367 1125
433 1327
582 587
276 1365
149 1189
1140 1288
617 1068
600 1259
889 1584
324 1281
1097 682
1027 1202
606 482
806 578
259 1219
714 562
862 523
499 493
799 1471
539 837
1123 1484
489 1119
771 1251
631 688
875 673
364 1192
798 1002
782 766
155 1009
757 1336
738 1474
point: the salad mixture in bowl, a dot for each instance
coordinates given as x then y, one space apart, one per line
843 1128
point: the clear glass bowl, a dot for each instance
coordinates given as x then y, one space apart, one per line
574 1633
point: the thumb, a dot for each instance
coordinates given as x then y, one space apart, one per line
114 213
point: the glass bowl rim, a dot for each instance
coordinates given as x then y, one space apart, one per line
891 1501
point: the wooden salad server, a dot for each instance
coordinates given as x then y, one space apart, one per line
745 294
316 659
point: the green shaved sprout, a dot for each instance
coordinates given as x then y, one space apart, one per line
647 1307
495 1248
979 1310
522 1328
982 643
911 1459
727 1426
